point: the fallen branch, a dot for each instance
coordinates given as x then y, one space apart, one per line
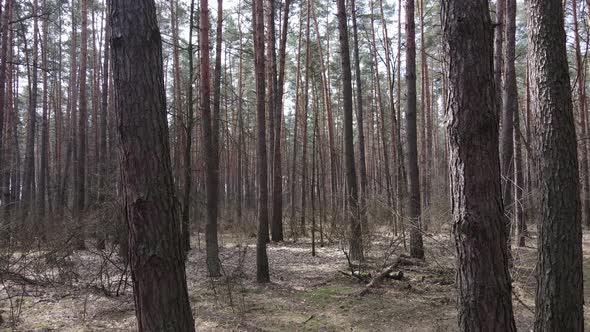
375 281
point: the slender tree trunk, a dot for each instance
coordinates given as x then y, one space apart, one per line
44 160
155 250
414 209
519 178
304 120
426 150
295 124
28 190
262 270
401 172
103 161
359 119
80 188
277 207
380 105
210 148
177 119
498 51
241 132
509 108
356 240
483 280
559 297
6 14
581 94
325 75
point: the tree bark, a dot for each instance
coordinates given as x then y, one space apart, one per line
498 53
155 252
359 118
483 280
28 190
262 270
581 103
210 149
559 296
44 159
277 206
356 240
414 208
509 108
80 177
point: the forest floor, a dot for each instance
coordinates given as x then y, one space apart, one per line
306 293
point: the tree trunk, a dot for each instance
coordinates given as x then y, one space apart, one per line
210 148
581 94
262 271
304 120
426 139
295 124
44 160
28 190
498 53
509 108
414 209
155 252
4 189
80 177
483 280
356 240
186 197
277 196
559 297
380 106
359 119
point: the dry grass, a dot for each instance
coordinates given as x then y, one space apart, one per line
306 294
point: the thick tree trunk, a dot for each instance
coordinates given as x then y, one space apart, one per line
155 253
414 208
483 280
560 296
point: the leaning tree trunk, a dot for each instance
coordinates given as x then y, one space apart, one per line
483 280
155 253
560 296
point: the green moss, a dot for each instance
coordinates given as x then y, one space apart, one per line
324 295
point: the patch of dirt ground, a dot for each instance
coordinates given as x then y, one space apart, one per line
306 293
